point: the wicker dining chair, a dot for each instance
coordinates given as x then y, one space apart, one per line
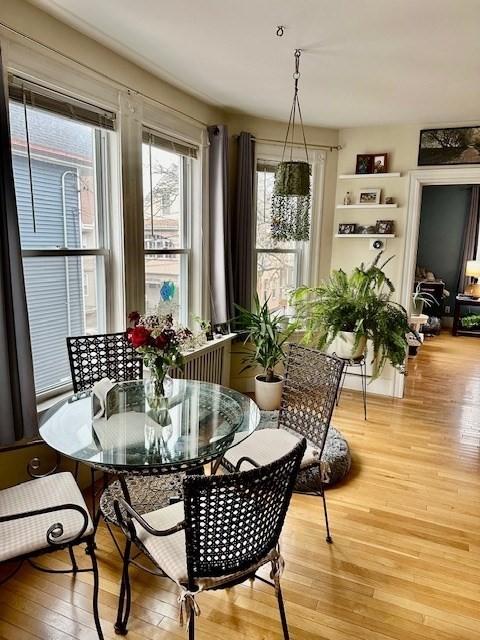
226 528
42 516
308 399
112 356
95 357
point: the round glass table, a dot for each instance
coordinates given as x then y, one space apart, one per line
196 424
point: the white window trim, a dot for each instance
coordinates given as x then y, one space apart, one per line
309 256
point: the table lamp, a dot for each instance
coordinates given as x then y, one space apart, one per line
472 270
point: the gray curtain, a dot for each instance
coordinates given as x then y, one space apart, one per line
470 237
17 391
221 298
242 245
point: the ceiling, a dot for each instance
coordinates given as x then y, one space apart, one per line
365 62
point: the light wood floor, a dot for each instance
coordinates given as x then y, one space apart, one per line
405 562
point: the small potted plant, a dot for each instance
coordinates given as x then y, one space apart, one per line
421 299
268 332
345 311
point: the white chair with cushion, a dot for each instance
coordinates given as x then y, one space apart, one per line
308 399
42 516
226 528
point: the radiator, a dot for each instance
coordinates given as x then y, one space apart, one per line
210 363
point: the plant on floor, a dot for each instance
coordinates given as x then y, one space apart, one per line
360 303
268 332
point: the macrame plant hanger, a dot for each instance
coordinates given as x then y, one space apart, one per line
291 193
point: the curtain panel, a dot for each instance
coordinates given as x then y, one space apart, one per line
17 389
221 298
243 224
470 237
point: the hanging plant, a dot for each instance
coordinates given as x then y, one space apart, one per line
291 194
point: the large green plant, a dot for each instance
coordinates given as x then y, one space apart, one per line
360 303
268 332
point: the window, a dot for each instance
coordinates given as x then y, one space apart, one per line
167 202
278 264
60 171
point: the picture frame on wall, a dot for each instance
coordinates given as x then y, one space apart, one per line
450 145
347 228
369 196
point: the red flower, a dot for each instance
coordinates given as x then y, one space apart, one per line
134 317
161 341
139 336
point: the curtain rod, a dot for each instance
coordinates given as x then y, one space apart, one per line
329 147
103 75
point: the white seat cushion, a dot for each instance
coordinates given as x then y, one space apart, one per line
27 535
169 552
267 445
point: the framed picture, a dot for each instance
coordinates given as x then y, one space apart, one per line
455 145
347 229
385 226
369 196
364 163
380 163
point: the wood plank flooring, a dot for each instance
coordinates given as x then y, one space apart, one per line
405 563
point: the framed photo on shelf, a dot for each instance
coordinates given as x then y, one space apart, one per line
364 163
369 196
380 163
385 226
347 228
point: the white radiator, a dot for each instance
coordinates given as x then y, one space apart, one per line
210 363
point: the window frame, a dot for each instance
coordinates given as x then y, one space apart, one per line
307 265
102 254
186 215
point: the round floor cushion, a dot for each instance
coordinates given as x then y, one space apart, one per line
336 458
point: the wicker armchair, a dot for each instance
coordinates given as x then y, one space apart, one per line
102 356
42 516
308 399
227 527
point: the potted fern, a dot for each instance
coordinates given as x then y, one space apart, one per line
267 332
347 310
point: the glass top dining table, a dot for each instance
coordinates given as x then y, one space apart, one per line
196 424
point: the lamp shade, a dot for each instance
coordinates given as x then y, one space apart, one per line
473 268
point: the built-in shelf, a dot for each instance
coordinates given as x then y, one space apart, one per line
367 206
364 235
354 176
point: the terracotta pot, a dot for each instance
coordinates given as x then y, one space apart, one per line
268 394
343 347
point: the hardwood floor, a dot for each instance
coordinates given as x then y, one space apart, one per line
405 563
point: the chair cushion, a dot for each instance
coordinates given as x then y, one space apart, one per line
28 535
266 445
168 552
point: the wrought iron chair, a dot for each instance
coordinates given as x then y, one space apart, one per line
112 356
42 516
226 528
102 356
308 399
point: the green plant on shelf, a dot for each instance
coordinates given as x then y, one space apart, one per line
471 322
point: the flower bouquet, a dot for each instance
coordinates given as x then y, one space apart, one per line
159 343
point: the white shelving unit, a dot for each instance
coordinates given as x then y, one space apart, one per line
356 176
367 206
365 235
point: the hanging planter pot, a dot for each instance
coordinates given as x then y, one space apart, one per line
291 193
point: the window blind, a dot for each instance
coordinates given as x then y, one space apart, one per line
169 143
269 167
36 95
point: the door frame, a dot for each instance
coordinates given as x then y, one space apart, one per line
417 180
